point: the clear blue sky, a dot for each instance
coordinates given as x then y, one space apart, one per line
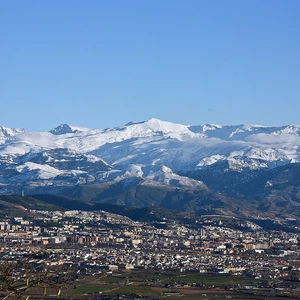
104 63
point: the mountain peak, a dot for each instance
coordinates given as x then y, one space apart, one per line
66 128
6 132
152 121
165 126
155 127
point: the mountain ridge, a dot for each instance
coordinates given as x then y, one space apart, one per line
154 153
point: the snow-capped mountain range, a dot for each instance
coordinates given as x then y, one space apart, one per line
150 153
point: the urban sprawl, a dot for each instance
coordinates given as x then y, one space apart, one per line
101 242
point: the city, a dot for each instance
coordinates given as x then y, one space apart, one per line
150 150
99 245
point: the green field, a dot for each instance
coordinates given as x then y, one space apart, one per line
86 289
188 286
113 279
179 278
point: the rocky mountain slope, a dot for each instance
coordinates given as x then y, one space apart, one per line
200 168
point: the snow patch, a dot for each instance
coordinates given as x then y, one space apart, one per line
45 171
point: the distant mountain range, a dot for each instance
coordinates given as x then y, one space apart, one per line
240 169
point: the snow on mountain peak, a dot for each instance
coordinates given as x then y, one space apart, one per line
173 130
211 127
291 129
7 133
154 147
147 129
166 176
66 128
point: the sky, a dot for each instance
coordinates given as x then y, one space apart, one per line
101 64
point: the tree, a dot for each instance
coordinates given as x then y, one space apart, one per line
29 274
